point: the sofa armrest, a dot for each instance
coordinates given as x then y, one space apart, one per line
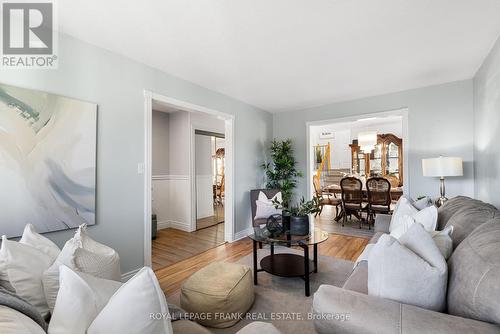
382 223
336 310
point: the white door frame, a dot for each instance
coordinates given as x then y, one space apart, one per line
403 112
228 171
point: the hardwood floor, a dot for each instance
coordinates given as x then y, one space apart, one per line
217 218
172 277
172 245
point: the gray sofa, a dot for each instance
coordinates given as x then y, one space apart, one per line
473 295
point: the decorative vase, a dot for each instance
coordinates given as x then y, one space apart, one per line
299 225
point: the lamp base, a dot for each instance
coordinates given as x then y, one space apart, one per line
440 201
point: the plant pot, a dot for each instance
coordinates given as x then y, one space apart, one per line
299 225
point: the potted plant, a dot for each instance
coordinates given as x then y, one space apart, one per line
299 215
319 157
281 173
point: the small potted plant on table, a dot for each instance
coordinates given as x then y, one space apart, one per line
299 216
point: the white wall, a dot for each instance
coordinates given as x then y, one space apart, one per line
487 128
117 85
340 152
345 133
179 137
160 143
200 121
440 122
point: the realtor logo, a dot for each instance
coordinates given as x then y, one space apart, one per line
28 34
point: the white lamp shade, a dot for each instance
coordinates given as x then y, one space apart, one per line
442 166
367 139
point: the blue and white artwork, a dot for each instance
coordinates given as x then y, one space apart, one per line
47 161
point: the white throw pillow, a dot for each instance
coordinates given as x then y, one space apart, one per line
80 299
443 241
407 206
403 208
82 254
402 222
412 270
32 238
422 203
90 305
21 269
133 308
266 207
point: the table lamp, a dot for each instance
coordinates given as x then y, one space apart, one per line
442 167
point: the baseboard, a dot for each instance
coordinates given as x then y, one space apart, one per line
243 234
173 224
163 224
129 275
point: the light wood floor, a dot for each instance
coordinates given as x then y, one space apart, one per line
217 218
172 245
172 277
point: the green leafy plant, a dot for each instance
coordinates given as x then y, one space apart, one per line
319 157
281 172
303 208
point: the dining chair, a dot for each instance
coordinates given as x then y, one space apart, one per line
325 198
352 198
379 197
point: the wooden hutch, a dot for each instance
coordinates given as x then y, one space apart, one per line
386 159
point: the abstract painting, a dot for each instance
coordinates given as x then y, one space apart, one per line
47 161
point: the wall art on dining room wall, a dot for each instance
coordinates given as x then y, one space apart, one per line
47 161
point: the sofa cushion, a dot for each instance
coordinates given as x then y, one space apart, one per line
450 207
14 322
375 237
358 280
466 221
464 214
474 280
188 327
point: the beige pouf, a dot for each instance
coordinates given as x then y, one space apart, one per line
219 294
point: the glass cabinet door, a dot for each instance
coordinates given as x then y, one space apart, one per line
361 163
392 159
376 161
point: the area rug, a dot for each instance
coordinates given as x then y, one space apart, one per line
350 228
282 301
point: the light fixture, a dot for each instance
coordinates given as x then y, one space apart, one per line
441 167
367 140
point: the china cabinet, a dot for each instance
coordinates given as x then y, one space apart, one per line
386 159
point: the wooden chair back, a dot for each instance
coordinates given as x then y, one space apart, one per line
352 190
379 191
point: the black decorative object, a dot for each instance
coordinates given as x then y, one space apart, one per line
274 226
299 225
285 219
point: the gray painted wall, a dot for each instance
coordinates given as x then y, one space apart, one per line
179 137
160 143
487 128
440 122
117 85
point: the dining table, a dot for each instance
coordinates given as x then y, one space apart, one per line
396 193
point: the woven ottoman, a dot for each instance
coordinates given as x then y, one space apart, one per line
219 294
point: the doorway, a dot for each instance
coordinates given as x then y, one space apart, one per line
181 197
361 147
210 179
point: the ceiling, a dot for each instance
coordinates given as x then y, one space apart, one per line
284 55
